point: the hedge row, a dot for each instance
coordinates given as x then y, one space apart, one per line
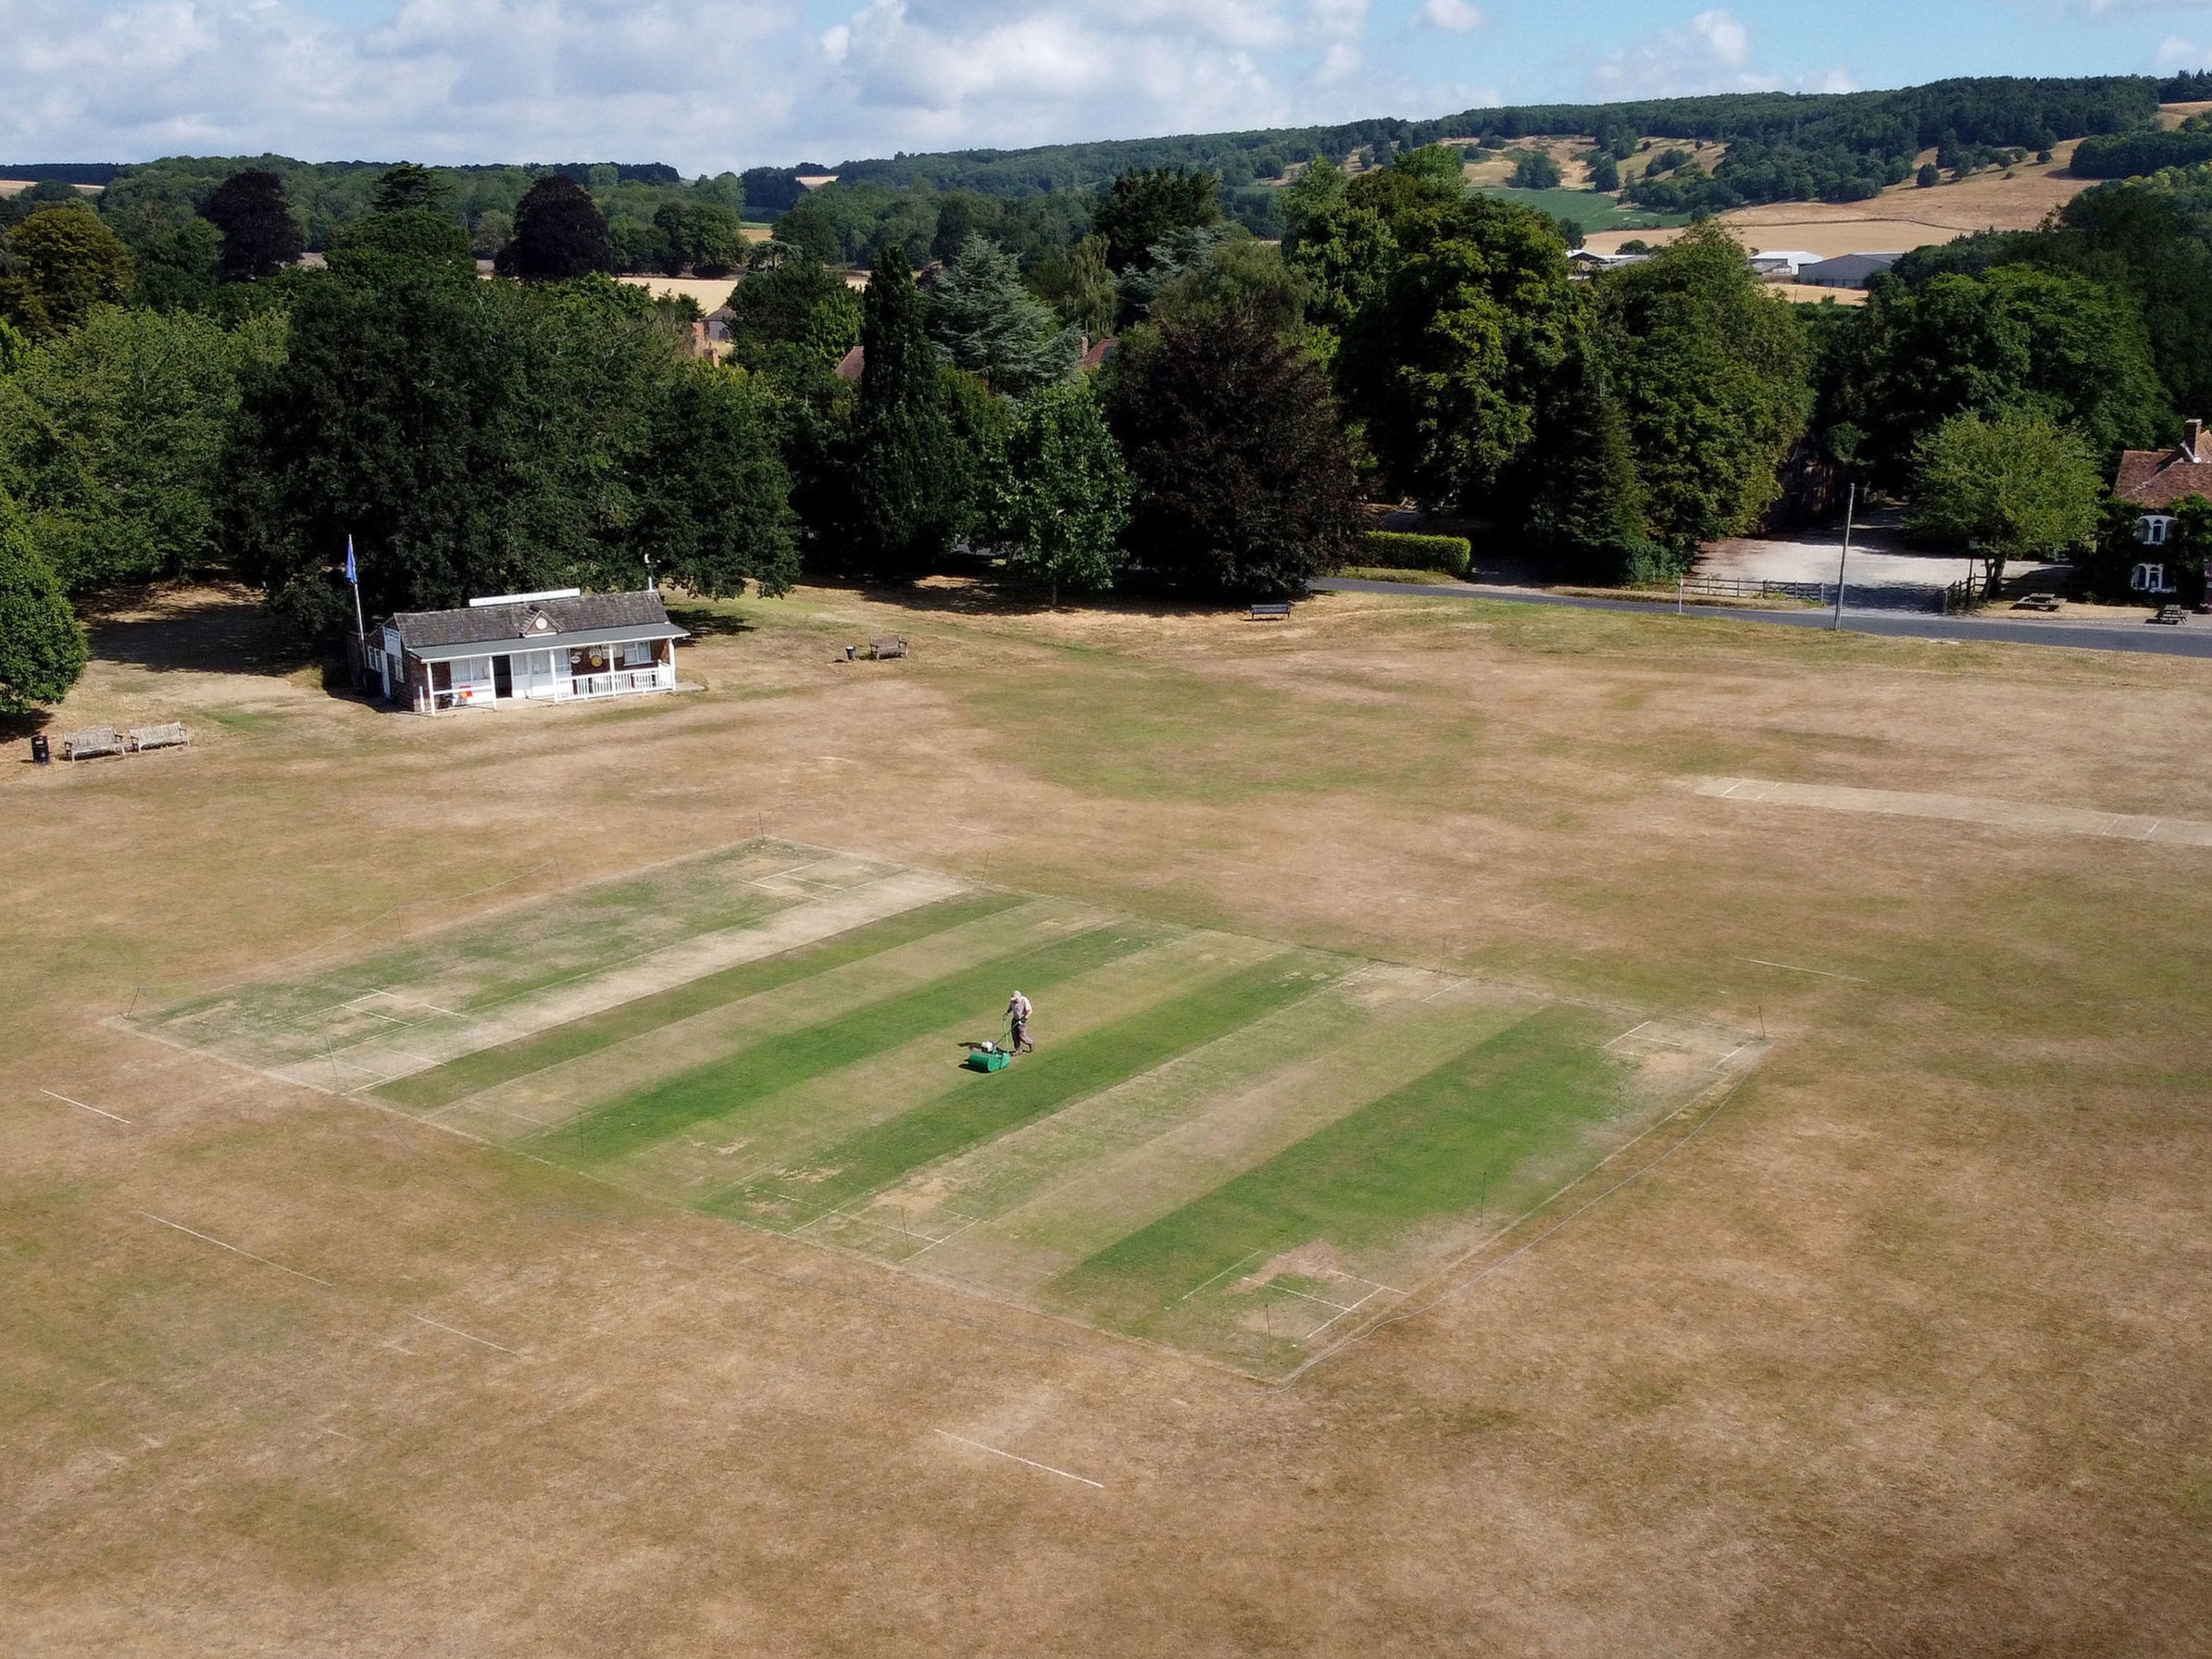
1390 550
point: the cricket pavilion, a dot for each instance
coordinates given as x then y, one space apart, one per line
563 646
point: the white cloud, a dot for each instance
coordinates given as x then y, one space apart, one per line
1709 53
1454 17
2174 54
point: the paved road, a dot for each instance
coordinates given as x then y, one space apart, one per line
2193 638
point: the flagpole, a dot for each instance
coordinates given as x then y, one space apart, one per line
354 577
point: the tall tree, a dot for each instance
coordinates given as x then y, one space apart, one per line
907 477
1081 286
1588 515
1059 495
260 235
1454 341
408 184
1145 205
62 264
2014 485
41 648
2014 338
111 439
712 498
559 234
799 305
989 324
475 438
1245 485
1714 377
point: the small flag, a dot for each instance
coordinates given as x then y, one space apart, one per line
351 575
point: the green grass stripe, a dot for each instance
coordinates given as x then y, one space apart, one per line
1416 1154
486 1068
985 1106
767 1066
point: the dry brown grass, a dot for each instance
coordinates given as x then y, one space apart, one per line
1906 1352
1901 219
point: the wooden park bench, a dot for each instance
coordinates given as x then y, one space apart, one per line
171 735
883 649
2037 602
1270 609
2172 614
93 741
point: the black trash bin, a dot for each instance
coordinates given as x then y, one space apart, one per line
40 751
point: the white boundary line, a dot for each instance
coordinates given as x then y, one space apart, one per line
994 1452
1223 1274
81 1106
453 1331
1794 968
233 1249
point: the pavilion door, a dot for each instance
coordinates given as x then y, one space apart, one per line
503 678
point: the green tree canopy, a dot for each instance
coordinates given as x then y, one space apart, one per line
1605 173
1439 165
2014 485
989 324
409 185
1059 495
559 234
1081 286
798 305
62 264
1535 170
1146 205
479 438
1714 379
111 439
1454 340
704 238
908 479
2014 338
260 235
1248 278
404 244
1245 485
41 648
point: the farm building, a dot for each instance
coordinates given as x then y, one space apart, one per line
2157 479
559 646
1781 265
1845 270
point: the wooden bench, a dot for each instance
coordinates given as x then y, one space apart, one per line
1270 609
2037 602
884 649
2172 614
171 735
93 741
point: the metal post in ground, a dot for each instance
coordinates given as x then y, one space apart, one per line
1679 584
1850 510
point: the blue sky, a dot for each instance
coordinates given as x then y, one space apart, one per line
709 84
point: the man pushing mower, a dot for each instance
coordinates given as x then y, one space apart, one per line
1018 1021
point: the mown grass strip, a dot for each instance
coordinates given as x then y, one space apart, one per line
470 1074
766 1067
1425 1150
985 1106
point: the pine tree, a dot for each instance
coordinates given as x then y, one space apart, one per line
991 325
906 473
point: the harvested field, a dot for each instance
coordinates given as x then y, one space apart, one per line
1902 218
633 1317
